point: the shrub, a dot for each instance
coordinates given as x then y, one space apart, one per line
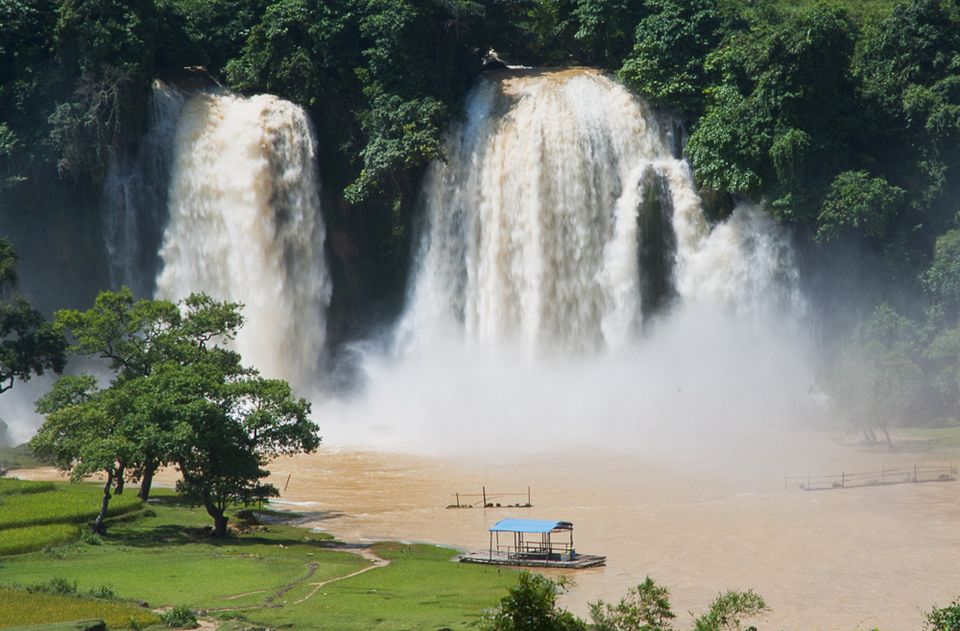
728 610
57 585
531 605
180 617
944 618
646 607
103 592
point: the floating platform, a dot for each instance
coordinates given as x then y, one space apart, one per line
576 562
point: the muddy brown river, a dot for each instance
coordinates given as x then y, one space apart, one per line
857 558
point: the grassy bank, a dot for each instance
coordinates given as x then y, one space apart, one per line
269 574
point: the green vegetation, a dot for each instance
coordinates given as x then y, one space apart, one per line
19 457
646 607
531 605
28 344
20 607
843 116
944 618
178 396
262 574
43 503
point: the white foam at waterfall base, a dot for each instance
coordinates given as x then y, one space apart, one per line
245 226
521 331
702 378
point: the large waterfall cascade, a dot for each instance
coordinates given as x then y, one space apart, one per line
244 225
560 209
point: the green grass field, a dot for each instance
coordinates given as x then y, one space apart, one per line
55 504
275 575
19 607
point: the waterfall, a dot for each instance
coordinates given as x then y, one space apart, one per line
134 198
560 219
244 225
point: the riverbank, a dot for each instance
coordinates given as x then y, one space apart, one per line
697 521
265 575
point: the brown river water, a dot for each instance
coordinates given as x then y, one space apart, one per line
848 559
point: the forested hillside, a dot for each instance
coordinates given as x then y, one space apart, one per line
842 117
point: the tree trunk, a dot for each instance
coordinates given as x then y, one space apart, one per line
887 436
118 490
147 480
97 526
219 519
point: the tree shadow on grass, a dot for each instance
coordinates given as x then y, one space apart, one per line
145 536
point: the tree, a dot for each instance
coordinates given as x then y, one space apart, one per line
728 611
84 433
531 605
29 345
780 116
646 607
876 379
671 46
942 279
231 423
857 201
178 396
136 337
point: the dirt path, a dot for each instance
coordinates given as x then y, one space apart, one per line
365 552
361 550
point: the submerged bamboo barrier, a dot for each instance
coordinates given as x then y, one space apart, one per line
488 500
884 477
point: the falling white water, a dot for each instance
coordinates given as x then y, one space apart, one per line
533 223
245 226
746 262
559 201
134 199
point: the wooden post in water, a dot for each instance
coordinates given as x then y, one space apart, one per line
528 496
458 499
915 473
484 496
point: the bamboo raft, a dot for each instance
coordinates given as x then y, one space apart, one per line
533 544
576 562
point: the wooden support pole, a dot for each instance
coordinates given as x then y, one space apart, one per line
484 496
458 499
287 482
528 496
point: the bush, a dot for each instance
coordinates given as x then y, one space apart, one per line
103 592
531 605
646 607
727 612
58 585
180 617
944 618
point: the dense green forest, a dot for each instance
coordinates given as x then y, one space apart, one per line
842 116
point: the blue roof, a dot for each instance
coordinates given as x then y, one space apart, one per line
529 525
